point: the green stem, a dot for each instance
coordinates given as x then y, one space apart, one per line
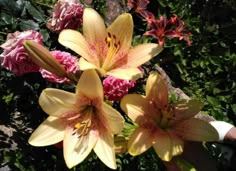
44 5
4 33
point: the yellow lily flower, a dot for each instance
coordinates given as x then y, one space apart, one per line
108 49
81 119
161 125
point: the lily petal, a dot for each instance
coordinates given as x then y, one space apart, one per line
177 144
77 148
76 42
140 141
167 145
196 130
186 109
125 73
114 119
57 102
142 53
122 28
104 149
51 131
156 90
85 65
90 85
94 28
134 106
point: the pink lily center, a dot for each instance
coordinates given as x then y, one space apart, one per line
109 52
82 121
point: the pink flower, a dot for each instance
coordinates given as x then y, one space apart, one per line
115 89
66 60
14 57
67 14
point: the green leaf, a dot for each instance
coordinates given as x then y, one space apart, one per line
7 19
35 13
28 25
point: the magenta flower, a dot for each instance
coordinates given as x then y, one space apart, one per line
115 89
14 58
67 61
67 14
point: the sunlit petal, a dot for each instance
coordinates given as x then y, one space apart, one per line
57 102
186 109
140 141
156 90
90 85
177 144
51 131
122 28
104 149
77 148
196 130
94 28
114 118
142 53
85 65
163 146
134 106
76 42
125 73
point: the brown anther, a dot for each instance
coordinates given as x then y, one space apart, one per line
109 34
114 36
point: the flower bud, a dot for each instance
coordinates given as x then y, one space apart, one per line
43 58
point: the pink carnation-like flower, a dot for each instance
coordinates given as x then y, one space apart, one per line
66 60
67 14
115 89
14 56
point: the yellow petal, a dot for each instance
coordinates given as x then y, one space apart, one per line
122 28
104 149
94 28
167 146
76 148
140 141
125 73
177 144
57 102
143 53
43 58
90 85
196 130
186 109
114 118
156 90
85 65
76 42
51 131
135 106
